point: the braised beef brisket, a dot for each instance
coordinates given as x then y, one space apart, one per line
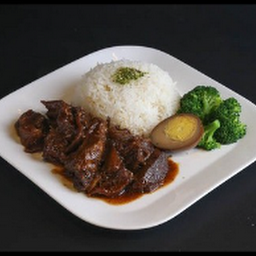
100 159
151 176
32 128
113 176
68 128
134 149
83 164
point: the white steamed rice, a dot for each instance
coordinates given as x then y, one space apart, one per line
139 105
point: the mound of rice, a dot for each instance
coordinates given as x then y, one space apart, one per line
139 105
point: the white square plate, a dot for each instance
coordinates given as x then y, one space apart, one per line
200 171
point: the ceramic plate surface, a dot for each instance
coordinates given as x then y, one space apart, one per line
199 171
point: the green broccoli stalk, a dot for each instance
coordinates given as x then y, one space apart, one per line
201 101
232 129
208 142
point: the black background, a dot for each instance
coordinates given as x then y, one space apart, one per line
218 40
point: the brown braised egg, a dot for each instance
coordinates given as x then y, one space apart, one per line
178 132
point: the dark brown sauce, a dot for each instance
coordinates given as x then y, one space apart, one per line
58 170
129 195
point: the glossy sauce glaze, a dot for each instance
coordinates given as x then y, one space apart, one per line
96 157
128 195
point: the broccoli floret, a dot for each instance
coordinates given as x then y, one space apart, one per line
229 108
232 129
201 101
208 142
221 118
